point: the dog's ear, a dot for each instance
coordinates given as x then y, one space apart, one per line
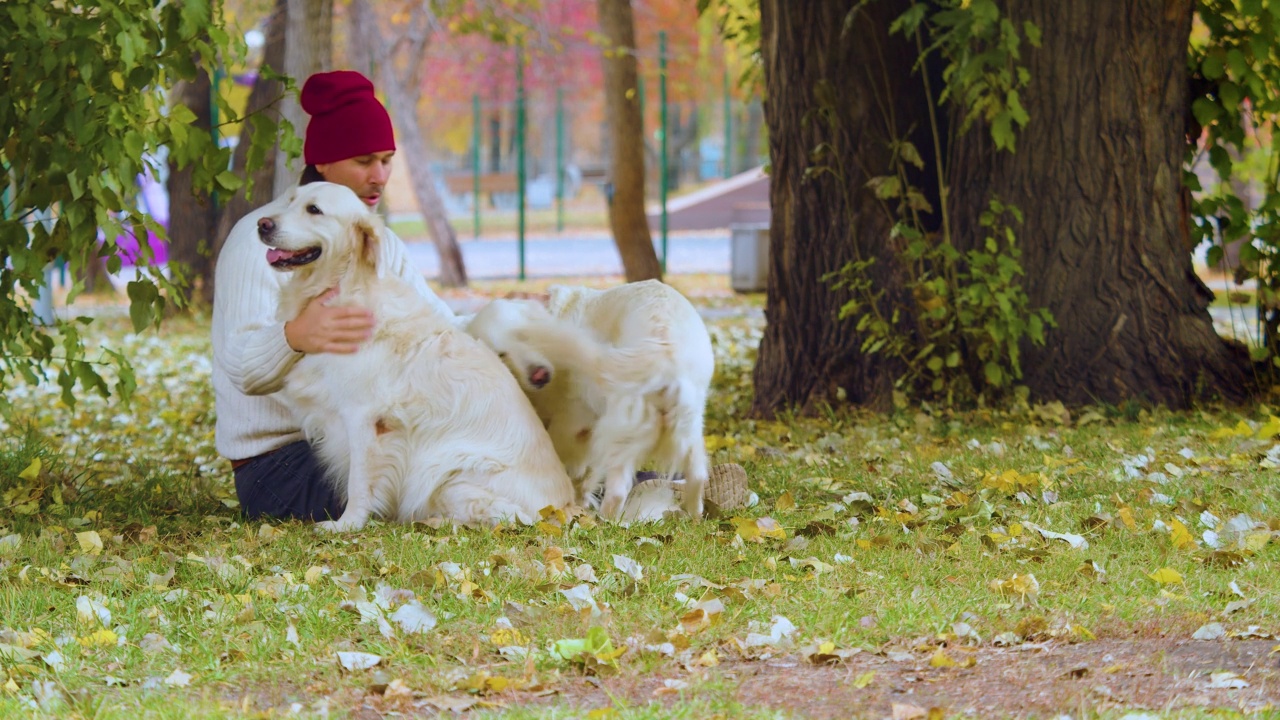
369 244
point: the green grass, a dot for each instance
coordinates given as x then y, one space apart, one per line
190 586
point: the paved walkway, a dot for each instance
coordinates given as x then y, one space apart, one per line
580 255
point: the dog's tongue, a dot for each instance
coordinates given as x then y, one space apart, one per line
274 256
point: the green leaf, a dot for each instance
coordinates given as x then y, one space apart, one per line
995 375
1032 31
1002 131
142 295
229 181
1015 108
1212 67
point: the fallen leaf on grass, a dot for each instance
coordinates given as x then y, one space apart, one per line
1076 542
1210 631
864 680
177 678
630 567
90 542
785 502
580 599
781 630
358 660
1180 536
89 610
1166 576
595 650
1025 587
31 472
104 638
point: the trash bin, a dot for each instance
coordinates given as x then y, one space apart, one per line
749 248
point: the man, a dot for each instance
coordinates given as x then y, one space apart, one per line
349 141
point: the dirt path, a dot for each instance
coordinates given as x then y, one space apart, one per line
1034 680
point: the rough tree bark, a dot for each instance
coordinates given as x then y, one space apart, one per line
308 49
1097 174
843 91
193 218
402 93
627 216
265 97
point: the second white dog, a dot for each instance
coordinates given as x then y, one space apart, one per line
619 377
422 421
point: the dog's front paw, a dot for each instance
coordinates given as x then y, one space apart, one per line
611 507
342 524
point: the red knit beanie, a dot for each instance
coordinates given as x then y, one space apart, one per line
346 119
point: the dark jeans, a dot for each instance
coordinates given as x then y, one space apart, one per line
287 483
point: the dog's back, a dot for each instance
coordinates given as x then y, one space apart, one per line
655 379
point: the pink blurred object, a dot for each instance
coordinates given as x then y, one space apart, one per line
154 201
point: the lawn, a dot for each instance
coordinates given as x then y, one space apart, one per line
1026 561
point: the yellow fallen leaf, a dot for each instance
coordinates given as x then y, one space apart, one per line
770 528
1166 576
547 528
1126 517
785 502
507 636
1241 429
1270 429
102 637
90 542
1084 632
1255 541
313 574
32 471
940 659
709 658
864 680
1180 536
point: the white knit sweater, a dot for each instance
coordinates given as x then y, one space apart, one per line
250 354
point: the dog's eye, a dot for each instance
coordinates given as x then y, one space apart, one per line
312 209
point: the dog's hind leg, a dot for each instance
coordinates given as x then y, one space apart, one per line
361 439
463 501
617 485
686 432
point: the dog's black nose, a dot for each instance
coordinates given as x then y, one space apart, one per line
266 226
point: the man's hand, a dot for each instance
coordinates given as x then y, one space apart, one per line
323 329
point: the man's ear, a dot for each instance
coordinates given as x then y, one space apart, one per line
369 244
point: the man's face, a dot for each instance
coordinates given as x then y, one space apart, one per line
366 175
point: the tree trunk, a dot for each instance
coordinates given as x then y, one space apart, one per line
627 216
308 49
1098 176
265 97
193 219
402 98
822 221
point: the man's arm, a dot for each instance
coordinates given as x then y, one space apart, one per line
248 341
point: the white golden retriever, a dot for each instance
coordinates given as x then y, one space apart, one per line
619 377
423 421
